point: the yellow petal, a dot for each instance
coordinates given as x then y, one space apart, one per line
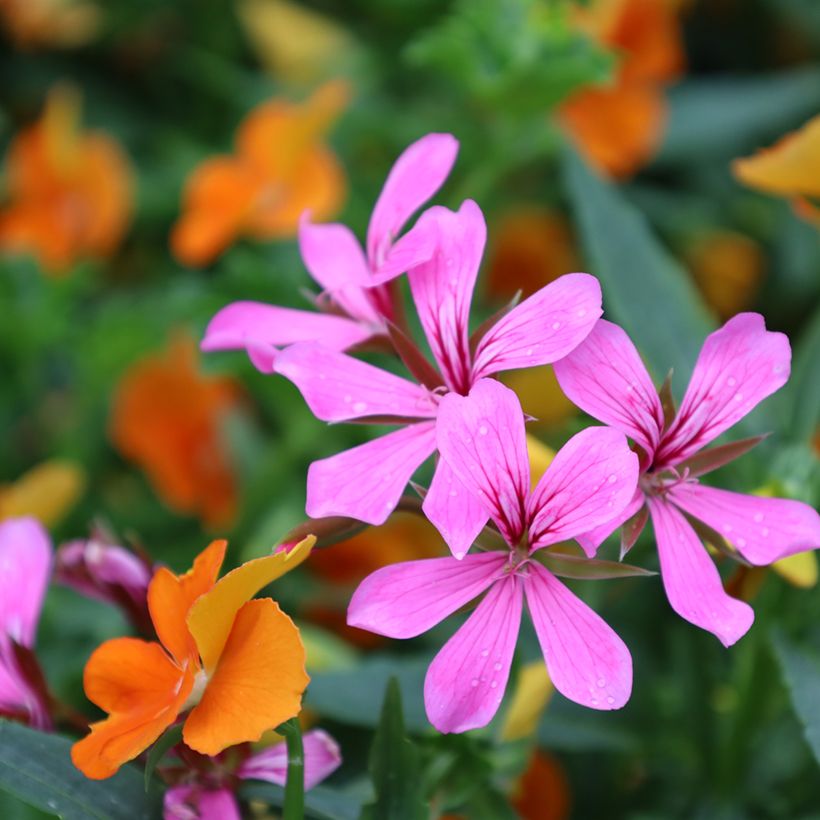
790 167
293 42
541 457
540 395
532 693
211 618
47 492
799 570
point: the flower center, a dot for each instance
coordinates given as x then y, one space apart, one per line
661 482
197 691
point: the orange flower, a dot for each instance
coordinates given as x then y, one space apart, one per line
69 191
790 168
33 24
543 791
728 268
280 169
167 418
619 127
238 664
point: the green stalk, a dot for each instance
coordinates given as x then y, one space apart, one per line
294 808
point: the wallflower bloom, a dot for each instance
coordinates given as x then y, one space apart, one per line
790 168
619 127
238 664
69 191
25 565
34 24
481 437
167 417
355 302
367 481
211 801
739 366
280 168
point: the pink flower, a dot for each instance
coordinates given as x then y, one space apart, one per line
739 366
481 438
109 573
355 302
367 481
211 801
25 565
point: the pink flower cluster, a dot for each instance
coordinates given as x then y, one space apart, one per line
480 494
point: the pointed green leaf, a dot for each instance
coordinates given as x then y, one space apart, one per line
166 741
588 569
321 802
708 460
801 673
645 289
36 768
394 766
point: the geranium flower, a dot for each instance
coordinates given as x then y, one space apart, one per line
167 417
355 302
211 794
25 566
367 481
280 168
739 366
237 664
481 438
619 127
69 191
790 168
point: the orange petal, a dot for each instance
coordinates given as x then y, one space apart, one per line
212 617
170 597
122 737
258 684
790 167
218 197
543 791
617 129
125 674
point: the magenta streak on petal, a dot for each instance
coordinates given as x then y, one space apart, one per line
465 683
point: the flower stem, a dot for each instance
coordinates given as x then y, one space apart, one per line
294 808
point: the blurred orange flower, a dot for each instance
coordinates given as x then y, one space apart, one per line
238 664
35 24
69 191
790 168
280 169
167 418
543 791
619 127
728 268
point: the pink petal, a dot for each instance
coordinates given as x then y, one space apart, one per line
453 510
261 329
481 437
443 288
590 481
196 803
691 580
466 680
543 328
338 387
25 565
322 758
334 258
586 660
404 600
590 541
762 530
738 366
412 249
367 481
606 378
415 176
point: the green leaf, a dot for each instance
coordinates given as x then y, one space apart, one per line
321 802
158 750
589 569
801 673
394 766
804 385
724 116
645 289
36 768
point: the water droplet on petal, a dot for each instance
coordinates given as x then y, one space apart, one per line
738 396
764 532
485 652
601 683
731 381
348 398
741 542
359 407
493 684
582 312
474 682
482 431
497 666
610 700
758 517
613 478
